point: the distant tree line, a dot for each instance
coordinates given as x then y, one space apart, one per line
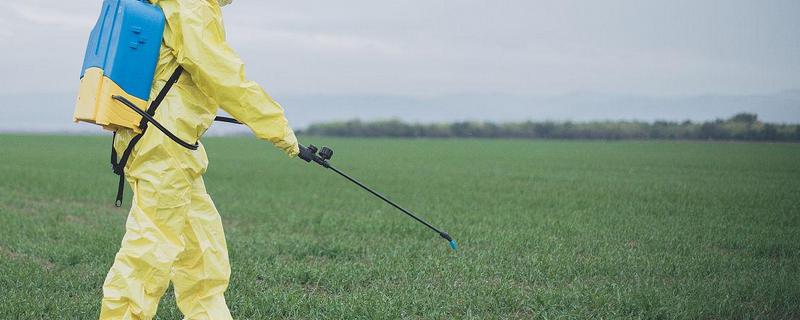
743 126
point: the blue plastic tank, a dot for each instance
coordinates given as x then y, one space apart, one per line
125 44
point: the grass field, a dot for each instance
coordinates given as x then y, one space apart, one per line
547 229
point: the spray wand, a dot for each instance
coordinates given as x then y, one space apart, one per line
321 157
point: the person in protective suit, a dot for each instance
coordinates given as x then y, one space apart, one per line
173 231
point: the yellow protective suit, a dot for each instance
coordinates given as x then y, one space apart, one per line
173 232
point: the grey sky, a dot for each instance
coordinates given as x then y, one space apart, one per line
427 50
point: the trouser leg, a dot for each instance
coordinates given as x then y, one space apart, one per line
152 242
201 274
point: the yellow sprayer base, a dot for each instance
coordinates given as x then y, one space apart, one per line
95 104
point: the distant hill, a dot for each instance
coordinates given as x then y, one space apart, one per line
52 112
740 127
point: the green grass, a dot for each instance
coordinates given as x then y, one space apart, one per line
547 229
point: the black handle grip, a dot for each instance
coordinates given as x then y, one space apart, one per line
306 154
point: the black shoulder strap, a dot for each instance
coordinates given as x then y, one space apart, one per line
161 95
119 166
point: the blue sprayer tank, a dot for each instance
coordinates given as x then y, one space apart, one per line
121 59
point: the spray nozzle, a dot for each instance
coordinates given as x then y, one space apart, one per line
450 240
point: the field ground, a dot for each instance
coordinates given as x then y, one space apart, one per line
548 229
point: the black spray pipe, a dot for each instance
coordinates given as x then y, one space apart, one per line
310 153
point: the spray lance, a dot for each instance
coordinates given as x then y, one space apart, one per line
321 157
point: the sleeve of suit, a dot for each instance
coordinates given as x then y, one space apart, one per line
219 72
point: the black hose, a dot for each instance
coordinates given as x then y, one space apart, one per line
158 125
227 119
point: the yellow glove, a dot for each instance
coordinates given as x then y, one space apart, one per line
289 145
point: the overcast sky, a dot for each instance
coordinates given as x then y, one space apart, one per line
430 49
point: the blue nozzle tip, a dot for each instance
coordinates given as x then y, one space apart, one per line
453 245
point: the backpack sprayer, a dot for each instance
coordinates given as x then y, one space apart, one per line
321 157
